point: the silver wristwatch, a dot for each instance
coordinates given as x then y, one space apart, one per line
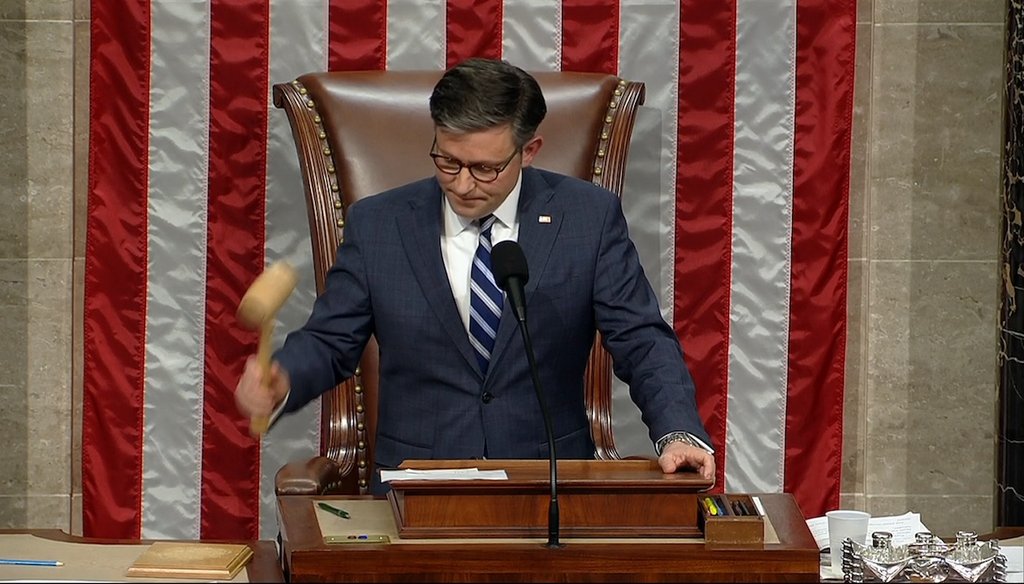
685 437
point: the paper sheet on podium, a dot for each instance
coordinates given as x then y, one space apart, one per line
443 474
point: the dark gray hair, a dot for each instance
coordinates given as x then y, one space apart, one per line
479 94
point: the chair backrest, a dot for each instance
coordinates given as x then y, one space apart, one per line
360 133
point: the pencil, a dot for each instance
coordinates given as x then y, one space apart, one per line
14 562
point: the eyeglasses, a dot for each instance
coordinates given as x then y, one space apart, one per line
482 172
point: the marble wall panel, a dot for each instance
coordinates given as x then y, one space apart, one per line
14 136
1010 441
48 511
36 167
930 421
935 141
77 362
36 9
947 11
865 9
855 391
35 511
13 325
943 515
35 412
13 511
859 171
14 401
81 135
49 376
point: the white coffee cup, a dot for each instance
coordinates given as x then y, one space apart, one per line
843 524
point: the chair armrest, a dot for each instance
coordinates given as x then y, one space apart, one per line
314 476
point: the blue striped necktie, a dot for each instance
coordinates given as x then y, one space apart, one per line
485 299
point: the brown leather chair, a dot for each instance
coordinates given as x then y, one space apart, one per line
359 133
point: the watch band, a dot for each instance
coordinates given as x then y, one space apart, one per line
684 437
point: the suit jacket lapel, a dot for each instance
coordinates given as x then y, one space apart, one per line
420 228
539 221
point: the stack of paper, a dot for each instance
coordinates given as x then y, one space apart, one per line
442 474
902 527
216 561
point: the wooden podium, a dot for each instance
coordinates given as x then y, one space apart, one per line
460 531
623 498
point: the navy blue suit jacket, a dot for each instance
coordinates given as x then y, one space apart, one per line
390 280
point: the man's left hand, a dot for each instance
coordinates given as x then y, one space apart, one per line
680 455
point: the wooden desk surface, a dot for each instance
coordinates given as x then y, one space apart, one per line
265 565
794 557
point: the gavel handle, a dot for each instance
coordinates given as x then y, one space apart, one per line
258 425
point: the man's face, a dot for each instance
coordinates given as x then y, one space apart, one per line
468 196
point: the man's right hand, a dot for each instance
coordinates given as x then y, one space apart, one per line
253 398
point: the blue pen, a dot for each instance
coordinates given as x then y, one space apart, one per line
10 562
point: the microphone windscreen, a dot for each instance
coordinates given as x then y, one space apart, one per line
508 261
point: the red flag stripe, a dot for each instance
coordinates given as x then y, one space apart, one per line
357 33
817 341
239 63
590 36
473 30
115 270
703 254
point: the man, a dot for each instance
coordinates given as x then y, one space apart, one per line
414 272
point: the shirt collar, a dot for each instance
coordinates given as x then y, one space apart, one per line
455 224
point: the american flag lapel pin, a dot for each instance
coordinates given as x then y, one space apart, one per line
544 219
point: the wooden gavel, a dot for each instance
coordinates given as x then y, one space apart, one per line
257 311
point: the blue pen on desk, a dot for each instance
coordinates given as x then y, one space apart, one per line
11 562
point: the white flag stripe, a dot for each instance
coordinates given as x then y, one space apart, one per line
416 34
532 34
298 44
176 302
762 228
649 194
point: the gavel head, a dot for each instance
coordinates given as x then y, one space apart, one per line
266 295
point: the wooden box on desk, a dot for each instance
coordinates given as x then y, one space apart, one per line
739 523
597 498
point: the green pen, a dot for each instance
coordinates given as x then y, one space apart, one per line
333 510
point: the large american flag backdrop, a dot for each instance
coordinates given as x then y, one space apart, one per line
736 194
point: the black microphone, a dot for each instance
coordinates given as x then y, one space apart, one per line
511 273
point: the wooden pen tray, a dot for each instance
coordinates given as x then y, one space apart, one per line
730 520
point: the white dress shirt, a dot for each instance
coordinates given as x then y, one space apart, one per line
459 240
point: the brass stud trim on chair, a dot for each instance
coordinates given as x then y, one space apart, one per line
602 147
321 133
